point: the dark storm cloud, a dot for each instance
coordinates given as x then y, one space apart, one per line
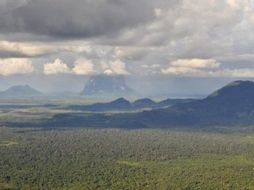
75 18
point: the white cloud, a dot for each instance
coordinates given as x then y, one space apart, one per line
118 67
153 66
83 67
196 63
191 67
25 49
113 67
108 72
181 30
182 71
158 12
15 66
57 67
205 68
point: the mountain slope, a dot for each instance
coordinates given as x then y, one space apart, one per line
20 91
234 99
171 102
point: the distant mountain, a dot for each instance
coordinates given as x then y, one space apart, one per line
116 105
230 105
144 103
234 100
171 102
20 91
106 85
122 104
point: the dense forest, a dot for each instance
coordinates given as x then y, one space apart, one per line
81 158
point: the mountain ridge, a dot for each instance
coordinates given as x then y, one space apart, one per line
122 104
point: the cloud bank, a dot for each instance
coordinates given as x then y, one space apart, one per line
15 66
72 19
204 68
201 38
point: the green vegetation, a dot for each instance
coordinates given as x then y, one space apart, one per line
128 163
7 143
125 159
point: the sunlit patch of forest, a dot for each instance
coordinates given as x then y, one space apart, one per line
83 158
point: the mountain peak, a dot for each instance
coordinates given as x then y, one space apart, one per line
121 101
239 82
25 86
238 88
20 91
145 102
230 105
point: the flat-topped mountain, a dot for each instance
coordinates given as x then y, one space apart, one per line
20 91
106 85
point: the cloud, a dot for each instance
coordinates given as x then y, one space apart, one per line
21 49
86 66
116 67
113 41
15 66
204 29
57 67
131 53
205 68
195 67
236 73
72 19
83 67
196 63
158 12
183 71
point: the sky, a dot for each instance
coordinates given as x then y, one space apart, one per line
176 48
